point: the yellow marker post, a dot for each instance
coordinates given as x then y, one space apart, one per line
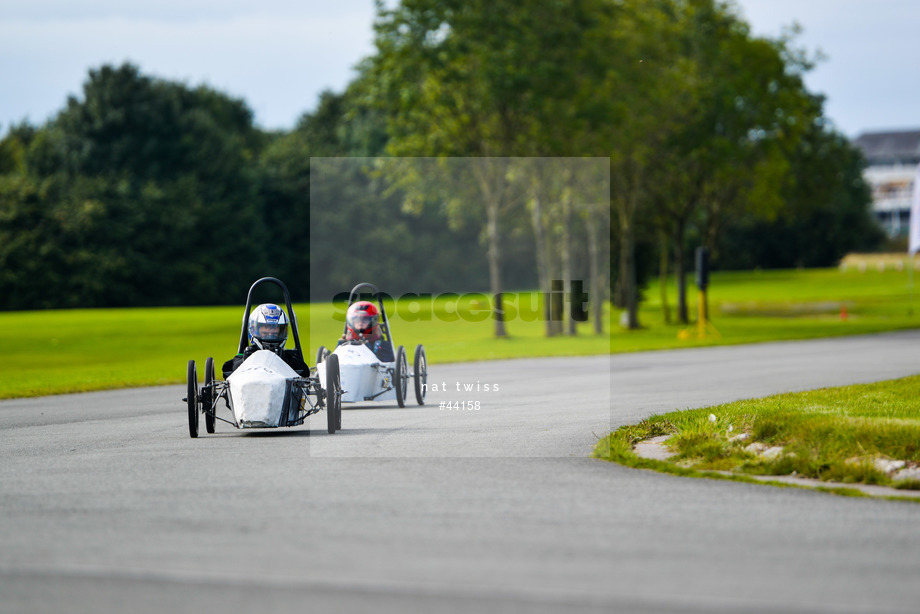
701 317
704 327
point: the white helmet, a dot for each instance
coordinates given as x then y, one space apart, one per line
268 325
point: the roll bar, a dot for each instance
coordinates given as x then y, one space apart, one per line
248 309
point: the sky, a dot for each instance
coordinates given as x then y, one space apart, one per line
279 55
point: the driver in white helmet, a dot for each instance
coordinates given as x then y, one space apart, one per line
268 328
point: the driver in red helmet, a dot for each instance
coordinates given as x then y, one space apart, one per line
362 322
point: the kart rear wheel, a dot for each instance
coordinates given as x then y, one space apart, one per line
401 376
192 399
338 398
333 399
420 367
321 354
207 396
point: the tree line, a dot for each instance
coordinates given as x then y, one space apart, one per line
144 191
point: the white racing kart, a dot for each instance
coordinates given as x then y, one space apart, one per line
265 389
364 376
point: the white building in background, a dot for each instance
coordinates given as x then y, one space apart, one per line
892 159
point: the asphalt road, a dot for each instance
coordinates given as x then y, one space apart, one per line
106 504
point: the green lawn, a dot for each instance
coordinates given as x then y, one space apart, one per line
749 307
51 352
79 350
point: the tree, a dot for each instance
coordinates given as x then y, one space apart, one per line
827 212
451 107
144 194
728 156
569 211
646 88
473 79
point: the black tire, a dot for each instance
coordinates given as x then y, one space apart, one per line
192 399
333 399
338 401
207 396
401 376
420 368
338 396
321 354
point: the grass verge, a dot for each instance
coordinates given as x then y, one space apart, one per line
863 434
52 352
57 352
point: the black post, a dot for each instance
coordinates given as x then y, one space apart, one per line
702 267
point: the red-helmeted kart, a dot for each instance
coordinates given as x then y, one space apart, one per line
371 367
265 385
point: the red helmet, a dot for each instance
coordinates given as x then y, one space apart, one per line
363 318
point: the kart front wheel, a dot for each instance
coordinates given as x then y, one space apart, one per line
333 398
421 374
321 354
192 399
401 376
207 396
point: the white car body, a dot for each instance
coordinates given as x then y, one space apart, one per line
364 376
261 389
